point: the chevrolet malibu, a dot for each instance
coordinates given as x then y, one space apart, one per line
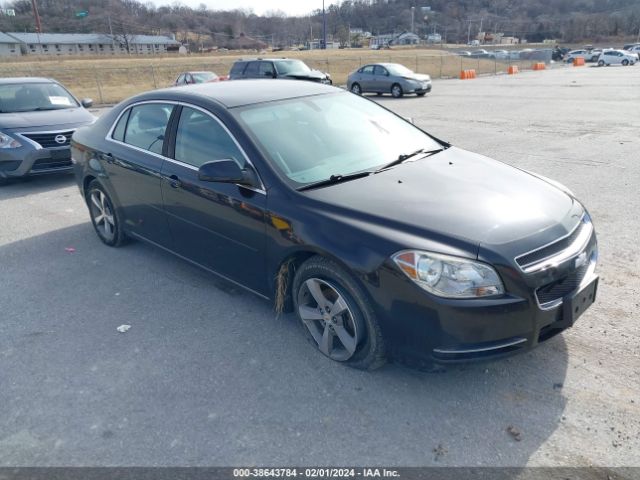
386 242
37 118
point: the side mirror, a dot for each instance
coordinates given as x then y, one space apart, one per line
228 171
86 102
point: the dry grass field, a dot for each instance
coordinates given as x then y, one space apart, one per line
111 79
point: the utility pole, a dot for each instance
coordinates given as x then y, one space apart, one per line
469 33
36 16
413 11
111 31
324 27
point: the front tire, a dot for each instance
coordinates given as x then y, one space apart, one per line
336 315
104 217
625 62
355 88
396 91
421 94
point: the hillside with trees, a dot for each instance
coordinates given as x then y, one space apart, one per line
534 20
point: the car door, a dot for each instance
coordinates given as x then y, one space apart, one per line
220 226
366 78
133 162
381 78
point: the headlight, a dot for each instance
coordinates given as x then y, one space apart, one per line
447 276
8 142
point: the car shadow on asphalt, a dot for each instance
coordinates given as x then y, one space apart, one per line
22 187
209 375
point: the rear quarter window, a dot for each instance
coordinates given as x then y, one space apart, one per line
238 68
118 132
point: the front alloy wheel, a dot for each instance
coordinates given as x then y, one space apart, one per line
337 315
325 313
396 91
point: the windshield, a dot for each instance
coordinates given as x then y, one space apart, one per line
313 138
292 67
398 70
202 77
30 97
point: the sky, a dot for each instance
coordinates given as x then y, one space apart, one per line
290 7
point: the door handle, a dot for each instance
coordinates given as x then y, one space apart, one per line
107 157
174 181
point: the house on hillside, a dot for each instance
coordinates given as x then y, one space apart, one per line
404 38
9 46
57 44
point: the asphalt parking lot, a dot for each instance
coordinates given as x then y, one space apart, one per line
207 375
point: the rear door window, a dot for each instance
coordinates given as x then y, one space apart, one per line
252 70
147 125
237 69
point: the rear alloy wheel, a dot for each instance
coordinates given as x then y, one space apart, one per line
625 62
601 63
336 316
355 88
104 217
396 91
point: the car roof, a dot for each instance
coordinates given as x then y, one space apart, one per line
236 93
260 59
12 80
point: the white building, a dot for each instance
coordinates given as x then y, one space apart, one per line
88 44
9 46
404 38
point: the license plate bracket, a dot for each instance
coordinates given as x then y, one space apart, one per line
61 154
576 304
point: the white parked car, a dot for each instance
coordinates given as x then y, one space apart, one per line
617 57
577 54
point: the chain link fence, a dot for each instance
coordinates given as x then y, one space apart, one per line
108 85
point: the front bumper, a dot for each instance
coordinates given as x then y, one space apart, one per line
25 161
32 158
423 329
420 88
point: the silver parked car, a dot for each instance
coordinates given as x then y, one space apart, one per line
37 118
390 78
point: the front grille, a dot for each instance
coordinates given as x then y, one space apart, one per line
557 289
48 140
50 164
550 250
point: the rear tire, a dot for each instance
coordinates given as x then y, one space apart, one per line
421 94
601 63
336 315
355 88
396 91
104 216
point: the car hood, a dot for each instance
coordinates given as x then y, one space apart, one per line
312 75
49 118
419 77
456 195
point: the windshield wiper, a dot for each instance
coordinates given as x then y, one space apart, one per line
406 156
333 179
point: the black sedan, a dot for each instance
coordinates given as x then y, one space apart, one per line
385 241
